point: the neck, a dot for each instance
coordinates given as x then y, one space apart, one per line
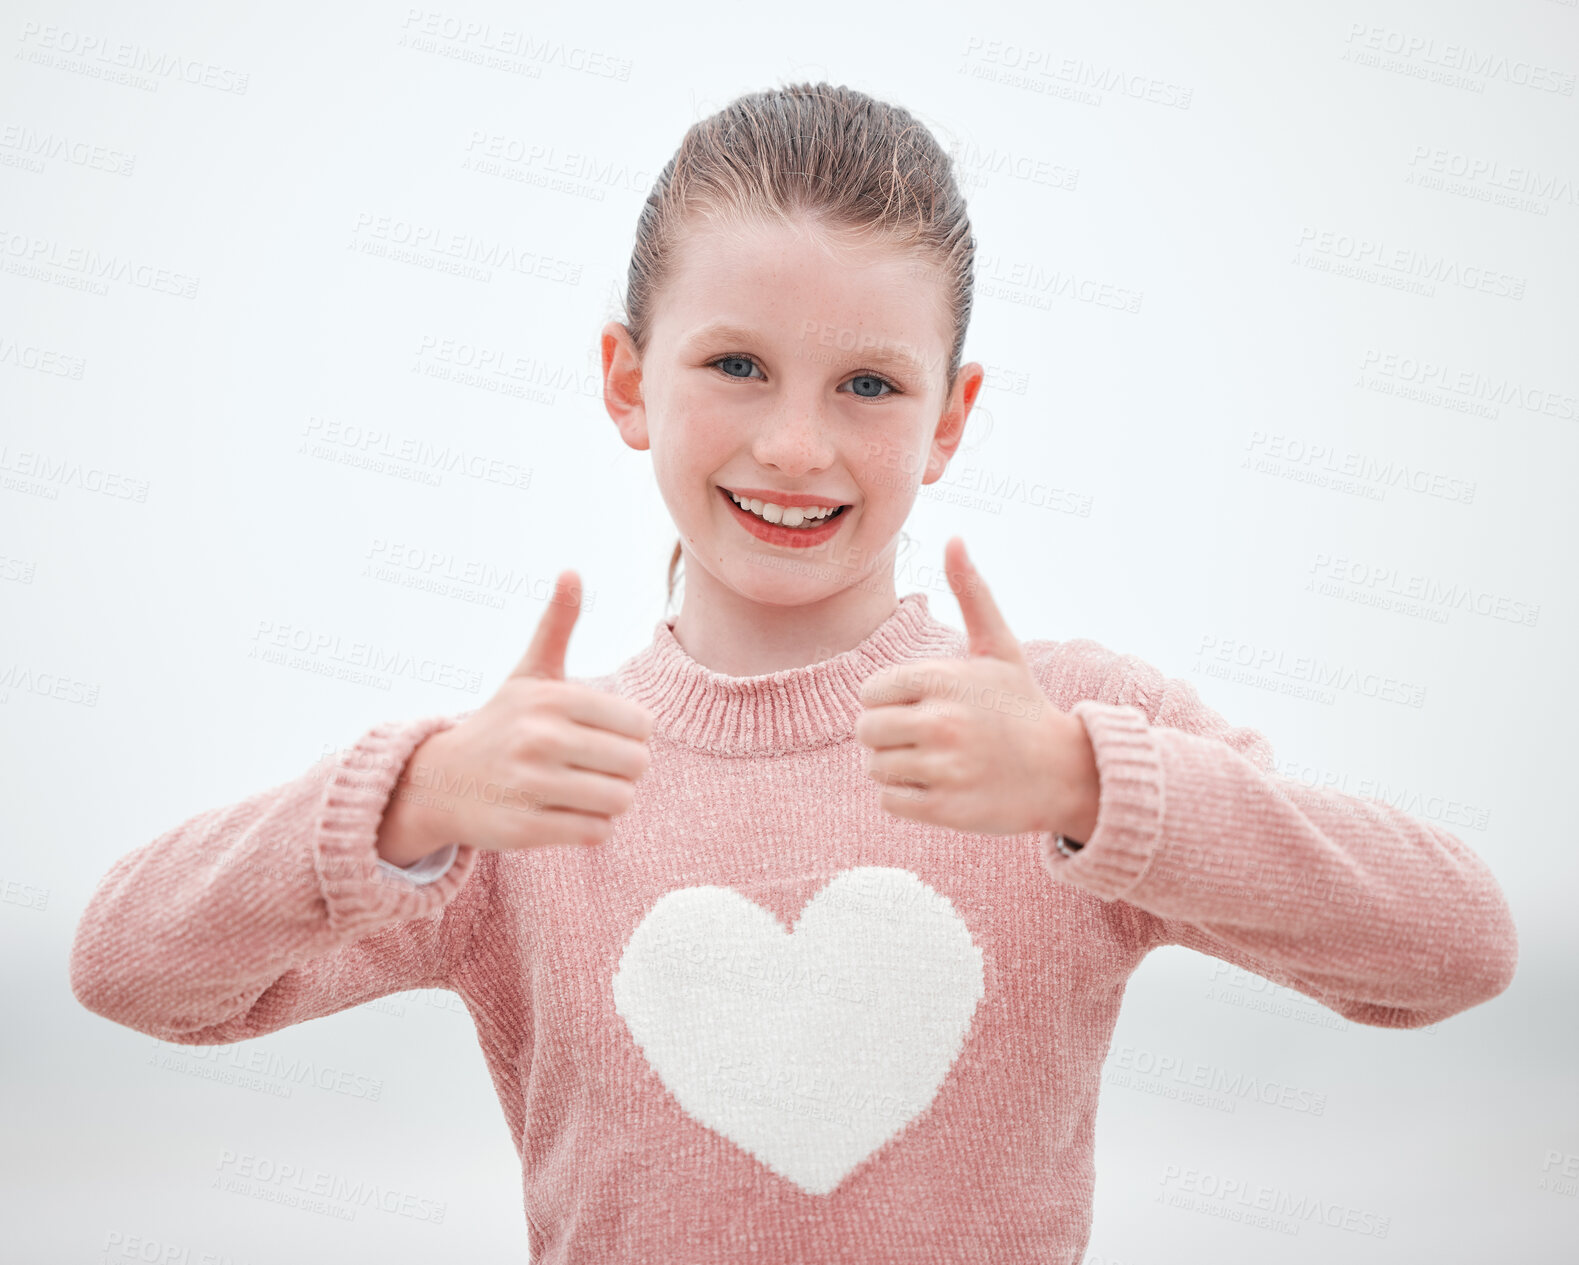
788 709
737 636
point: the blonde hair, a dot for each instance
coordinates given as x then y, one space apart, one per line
851 164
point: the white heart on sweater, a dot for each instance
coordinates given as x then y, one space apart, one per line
808 1049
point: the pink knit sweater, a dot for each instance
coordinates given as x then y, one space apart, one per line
768 1021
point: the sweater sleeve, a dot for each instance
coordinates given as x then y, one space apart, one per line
274 910
1385 919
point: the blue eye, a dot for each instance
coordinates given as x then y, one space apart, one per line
739 360
860 377
872 377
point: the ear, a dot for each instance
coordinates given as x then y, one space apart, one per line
622 384
951 424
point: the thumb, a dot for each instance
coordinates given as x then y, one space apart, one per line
987 629
546 655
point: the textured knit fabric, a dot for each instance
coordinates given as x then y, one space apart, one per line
767 1020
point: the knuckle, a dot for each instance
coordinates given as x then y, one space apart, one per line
526 796
525 691
533 739
633 757
542 694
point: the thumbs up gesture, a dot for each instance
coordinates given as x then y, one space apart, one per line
974 744
545 761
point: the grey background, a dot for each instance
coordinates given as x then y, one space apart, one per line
1140 525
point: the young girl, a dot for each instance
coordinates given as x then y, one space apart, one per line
801 935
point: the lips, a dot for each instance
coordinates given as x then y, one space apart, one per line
789 500
776 534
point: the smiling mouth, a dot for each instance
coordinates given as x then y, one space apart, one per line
793 517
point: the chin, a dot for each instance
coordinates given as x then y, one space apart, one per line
773 580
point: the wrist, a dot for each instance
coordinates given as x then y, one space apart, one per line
409 829
1081 785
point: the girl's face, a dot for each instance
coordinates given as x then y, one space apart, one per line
797 369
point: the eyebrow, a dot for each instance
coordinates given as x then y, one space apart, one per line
891 354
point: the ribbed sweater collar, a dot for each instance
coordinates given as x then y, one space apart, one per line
776 712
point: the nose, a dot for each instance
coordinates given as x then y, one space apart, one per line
793 439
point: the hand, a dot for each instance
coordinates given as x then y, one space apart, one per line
974 744
545 761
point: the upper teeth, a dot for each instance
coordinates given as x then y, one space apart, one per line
792 516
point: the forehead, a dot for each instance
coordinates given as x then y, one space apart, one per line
798 283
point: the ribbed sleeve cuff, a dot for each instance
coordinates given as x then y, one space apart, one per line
360 894
1129 804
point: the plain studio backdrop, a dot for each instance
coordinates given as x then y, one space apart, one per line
1278 310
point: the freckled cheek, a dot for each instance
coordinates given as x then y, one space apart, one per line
876 485
689 468
698 434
